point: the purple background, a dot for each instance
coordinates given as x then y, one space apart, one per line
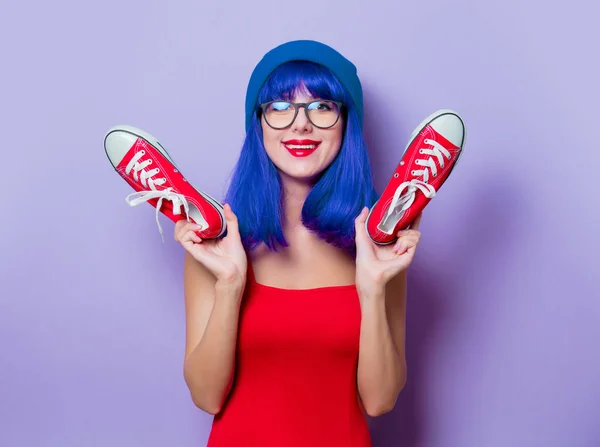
504 306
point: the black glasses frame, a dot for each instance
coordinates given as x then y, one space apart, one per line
297 106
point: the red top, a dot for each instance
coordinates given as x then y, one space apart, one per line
295 373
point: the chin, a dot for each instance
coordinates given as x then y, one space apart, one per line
304 177
306 170
308 174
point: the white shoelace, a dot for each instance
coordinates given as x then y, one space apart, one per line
146 178
403 200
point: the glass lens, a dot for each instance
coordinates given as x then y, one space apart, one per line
280 114
323 113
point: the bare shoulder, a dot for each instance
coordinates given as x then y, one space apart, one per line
199 292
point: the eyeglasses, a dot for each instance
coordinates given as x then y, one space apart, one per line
281 114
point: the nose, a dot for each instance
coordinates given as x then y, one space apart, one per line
301 123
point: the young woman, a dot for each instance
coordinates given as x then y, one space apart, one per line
296 319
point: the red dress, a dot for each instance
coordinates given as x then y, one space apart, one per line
295 377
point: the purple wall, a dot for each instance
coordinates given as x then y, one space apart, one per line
504 302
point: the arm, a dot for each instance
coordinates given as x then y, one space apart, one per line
381 362
212 312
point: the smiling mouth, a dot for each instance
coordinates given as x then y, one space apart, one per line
301 150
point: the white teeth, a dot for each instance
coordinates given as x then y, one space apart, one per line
294 146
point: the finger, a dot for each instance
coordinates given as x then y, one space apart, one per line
406 233
191 236
179 225
403 261
362 216
402 245
359 225
178 232
411 237
415 223
185 225
359 222
182 227
231 219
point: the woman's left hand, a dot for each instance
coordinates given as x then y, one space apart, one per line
377 264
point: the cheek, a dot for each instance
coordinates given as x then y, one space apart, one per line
272 146
336 141
270 139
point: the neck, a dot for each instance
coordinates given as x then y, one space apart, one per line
295 192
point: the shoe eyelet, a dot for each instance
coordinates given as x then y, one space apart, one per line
396 175
402 163
175 170
143 152
412 172
420 151
149 162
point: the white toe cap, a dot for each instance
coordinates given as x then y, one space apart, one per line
116 144
451 127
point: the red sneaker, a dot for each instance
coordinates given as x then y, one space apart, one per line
433 150
132 152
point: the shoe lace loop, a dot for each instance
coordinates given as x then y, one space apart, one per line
147 178
405 194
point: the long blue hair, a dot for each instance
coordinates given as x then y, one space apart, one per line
339 194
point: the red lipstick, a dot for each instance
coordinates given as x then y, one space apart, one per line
301 148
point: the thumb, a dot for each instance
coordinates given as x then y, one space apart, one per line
231 219
359 225
361 218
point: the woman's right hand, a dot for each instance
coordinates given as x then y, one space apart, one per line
225 258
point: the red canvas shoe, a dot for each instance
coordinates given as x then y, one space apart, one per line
433 150
144 163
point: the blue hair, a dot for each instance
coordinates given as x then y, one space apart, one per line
342 189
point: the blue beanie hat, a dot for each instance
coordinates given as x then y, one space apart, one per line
304 50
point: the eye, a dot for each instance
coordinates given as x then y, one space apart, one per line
323 106
280 106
